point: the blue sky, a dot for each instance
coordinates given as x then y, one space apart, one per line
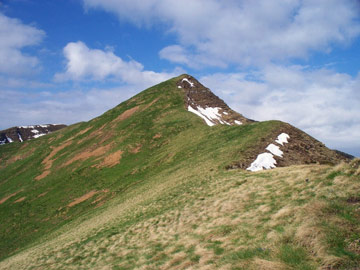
293 60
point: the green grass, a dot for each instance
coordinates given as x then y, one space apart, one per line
172 203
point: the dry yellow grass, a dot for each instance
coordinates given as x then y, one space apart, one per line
214 223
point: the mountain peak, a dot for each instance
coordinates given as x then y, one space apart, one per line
204 103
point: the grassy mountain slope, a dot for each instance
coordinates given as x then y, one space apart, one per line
145 185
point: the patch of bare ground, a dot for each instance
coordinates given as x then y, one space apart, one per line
83 198
8 197
135 149
126 114
48 161
101 199
150 104
111 160
157 136
42 194
20 156
83 131
88 154
20 200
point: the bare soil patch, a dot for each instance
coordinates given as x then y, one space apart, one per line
42 194
151 103
157 136
126 114
42 175
8 197
82 198
20 200
89 153
135 149
48 161
20 157
112 159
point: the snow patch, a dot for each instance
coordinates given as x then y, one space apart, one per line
208 122
211 113
238 122
26 127
44 126
2 142
35 131
282 138
263 161
266 160
225 113
20 139
39 135
9 139
186 80
272 148
179 86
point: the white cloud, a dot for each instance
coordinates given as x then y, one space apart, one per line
217 33
14 36
321 102
85 63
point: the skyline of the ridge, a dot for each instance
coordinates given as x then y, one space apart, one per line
297 60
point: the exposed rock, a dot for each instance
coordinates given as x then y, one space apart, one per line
201 101
24 133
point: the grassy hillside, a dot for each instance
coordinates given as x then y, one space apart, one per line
145 186
44 182
215 220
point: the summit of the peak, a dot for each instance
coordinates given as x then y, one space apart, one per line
201 101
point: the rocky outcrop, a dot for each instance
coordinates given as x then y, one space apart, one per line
204 103
24 133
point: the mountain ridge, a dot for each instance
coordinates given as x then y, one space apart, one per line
150 140
24 133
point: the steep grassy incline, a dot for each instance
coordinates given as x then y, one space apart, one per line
49 181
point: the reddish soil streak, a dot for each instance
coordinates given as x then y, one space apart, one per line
8 197
82 198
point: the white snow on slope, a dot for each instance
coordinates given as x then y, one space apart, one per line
211 113
208 122
263 161
212 116
44 126
39 135
2 142
266 160
186 80
34 131
20 139
25 126
9 139
282 138
274 149
238 122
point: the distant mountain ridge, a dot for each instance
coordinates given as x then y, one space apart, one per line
24 133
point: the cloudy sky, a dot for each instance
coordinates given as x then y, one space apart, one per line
64 61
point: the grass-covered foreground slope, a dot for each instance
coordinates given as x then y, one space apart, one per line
145 186
202 219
